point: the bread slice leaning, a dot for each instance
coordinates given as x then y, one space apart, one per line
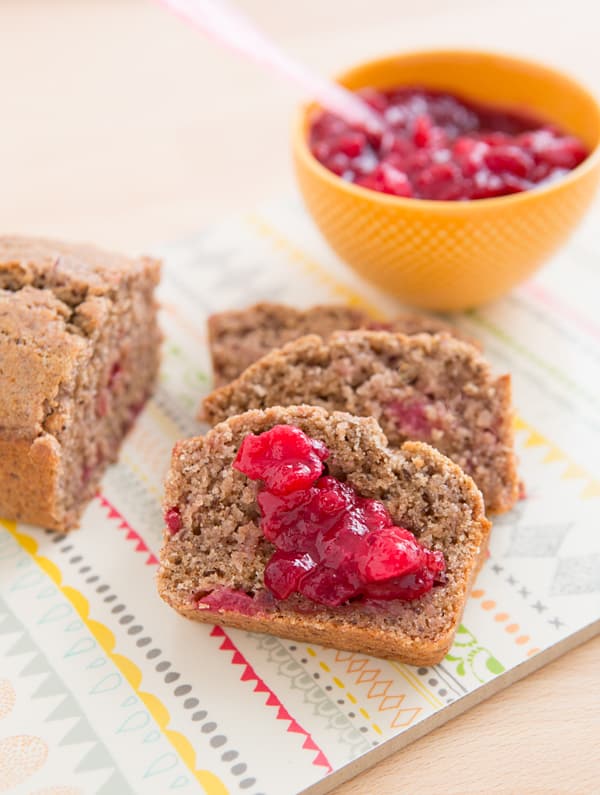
212 569
429 387
239 337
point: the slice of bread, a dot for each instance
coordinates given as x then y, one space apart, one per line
430 388
212 568
238 338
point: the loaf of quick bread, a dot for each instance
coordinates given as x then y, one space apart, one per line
79 355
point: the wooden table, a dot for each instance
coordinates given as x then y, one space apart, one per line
120 126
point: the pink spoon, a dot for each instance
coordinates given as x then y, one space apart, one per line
224 24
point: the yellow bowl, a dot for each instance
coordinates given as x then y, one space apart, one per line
454 255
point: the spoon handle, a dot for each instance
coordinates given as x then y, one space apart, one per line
225 24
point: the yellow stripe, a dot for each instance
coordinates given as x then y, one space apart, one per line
417 685
351 698
342 686
211 783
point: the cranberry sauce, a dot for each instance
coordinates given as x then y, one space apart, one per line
438 146
331 545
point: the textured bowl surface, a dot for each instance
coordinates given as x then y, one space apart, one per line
455 255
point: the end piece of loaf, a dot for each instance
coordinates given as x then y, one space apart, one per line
238 338
430 388
212 569
79 354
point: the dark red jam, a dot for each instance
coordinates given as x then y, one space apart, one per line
438 146
331 545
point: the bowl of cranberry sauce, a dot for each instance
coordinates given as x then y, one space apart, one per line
483 167
441 147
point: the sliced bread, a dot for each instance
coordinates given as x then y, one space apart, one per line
238 338
430 388
212 566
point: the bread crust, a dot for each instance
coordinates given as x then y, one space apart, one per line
29 476
410 651
360 450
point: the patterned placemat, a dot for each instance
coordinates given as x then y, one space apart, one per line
103 689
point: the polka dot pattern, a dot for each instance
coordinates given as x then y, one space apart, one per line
441 682
510 626
20 757
342 702
7 698
163 666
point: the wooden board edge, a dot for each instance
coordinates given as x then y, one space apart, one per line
461 705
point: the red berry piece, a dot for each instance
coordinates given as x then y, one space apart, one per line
102 403
339 163
494 139
330 587
441 181
322 151
285 572
115 375
565 153
86 474
422 131
408 587
284 458
392 552
376 515
411 417
351 144
508 160
392 180
231 600
416 162
173 520
487 185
